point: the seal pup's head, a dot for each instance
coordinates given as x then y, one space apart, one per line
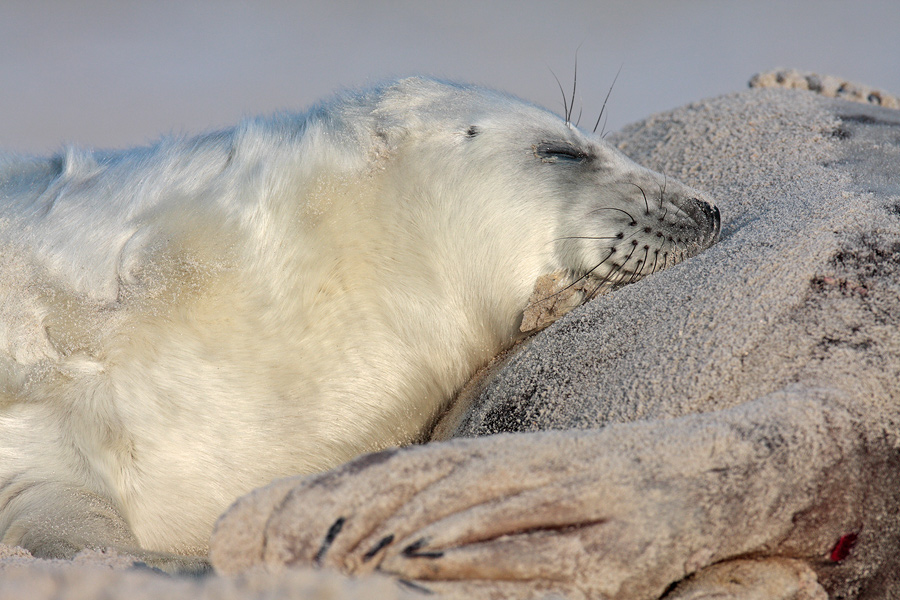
562 200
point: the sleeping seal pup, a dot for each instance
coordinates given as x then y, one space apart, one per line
183 322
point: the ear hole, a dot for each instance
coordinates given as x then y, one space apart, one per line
472 131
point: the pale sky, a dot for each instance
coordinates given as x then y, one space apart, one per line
113 73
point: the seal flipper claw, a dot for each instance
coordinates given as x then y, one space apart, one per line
415 586
381 545
333 532
414 550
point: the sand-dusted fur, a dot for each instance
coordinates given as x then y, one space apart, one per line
184 322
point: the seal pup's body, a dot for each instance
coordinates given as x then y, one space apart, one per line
182 323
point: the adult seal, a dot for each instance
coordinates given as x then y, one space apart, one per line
184 322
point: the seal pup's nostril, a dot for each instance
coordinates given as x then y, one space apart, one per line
712 216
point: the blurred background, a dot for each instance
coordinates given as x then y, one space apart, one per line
113 73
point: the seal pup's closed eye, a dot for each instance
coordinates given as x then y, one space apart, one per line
184 322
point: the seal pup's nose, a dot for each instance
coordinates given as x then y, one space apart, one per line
713 218
717 221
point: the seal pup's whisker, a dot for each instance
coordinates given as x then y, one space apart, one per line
633 220
637 275
662 196
565 100
646 203
655 260
605 100
574 87
589 237
581 278
604 282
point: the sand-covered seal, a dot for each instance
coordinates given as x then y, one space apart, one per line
184 322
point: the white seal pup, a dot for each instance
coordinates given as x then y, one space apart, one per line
184 322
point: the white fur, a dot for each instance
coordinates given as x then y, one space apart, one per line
184 322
